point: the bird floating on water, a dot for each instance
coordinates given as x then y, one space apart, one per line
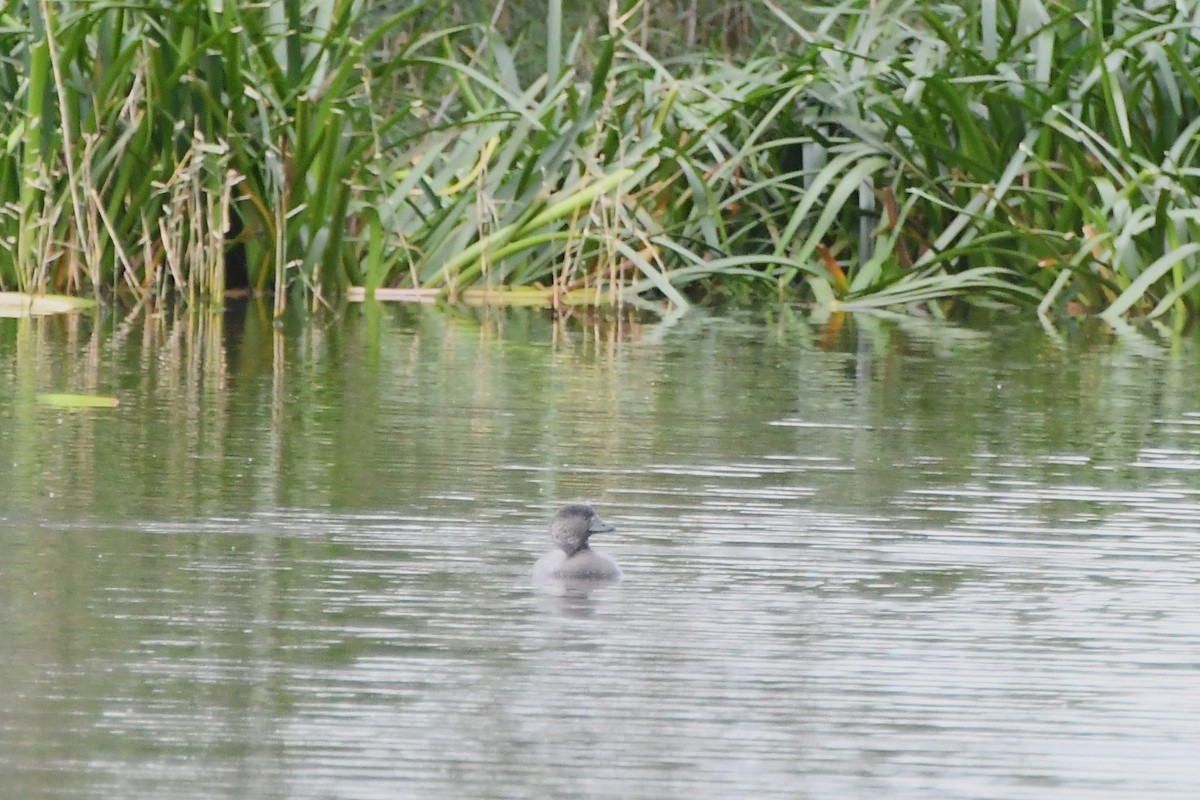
573 525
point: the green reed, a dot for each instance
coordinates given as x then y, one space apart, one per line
865 154
146 141
1049 146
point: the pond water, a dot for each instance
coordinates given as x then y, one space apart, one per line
871 558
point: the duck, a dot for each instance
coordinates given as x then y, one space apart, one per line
573 559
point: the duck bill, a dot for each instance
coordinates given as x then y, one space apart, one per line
598 525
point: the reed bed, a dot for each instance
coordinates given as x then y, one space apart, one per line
863 154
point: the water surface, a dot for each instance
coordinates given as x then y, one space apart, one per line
880 558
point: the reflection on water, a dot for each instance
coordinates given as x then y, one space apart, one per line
894 559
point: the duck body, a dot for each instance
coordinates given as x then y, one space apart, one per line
573 559
587 565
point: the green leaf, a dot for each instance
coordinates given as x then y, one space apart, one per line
63 400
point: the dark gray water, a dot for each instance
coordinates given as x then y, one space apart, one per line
894 559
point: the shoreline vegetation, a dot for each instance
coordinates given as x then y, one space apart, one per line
858 155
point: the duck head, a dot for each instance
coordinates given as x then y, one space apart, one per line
572 526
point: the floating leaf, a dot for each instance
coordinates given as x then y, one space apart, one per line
19 304
491 296
64 400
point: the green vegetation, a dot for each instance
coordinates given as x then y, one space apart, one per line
864 154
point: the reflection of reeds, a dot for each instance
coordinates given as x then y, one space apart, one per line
883 153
